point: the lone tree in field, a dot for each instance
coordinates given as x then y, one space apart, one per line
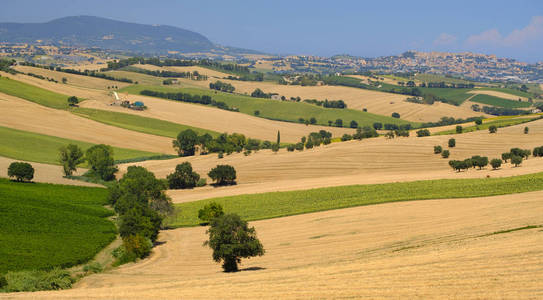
478 122
492 129
185 143
70 156
526 130
459 129
223 175
21 171
445 154
100 159
73 101
183 177
231 239
496 163
437 149
452 143
209 212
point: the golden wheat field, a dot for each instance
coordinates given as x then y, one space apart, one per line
375 160
421 249
63 124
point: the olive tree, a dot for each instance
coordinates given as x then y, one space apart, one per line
231 239
452 143
516 160
496 163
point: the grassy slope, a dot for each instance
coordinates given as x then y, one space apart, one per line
33 93
278 204
498 123
45 225
509 91
36 147
278 110
137 123
499 102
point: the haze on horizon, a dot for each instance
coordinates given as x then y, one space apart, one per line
367 29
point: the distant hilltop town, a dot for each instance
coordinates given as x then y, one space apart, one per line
479 67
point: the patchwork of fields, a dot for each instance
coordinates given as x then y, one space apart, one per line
477 234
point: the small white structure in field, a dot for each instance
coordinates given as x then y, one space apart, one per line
275 97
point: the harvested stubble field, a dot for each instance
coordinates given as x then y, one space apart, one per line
46 173
374 101
421 249
73 79
376 160
60 123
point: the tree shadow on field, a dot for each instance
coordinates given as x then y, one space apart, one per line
252 269
158 243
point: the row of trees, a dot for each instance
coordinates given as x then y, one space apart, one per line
188 141
91 73
186 97
184 177
327 103
222 86
194 75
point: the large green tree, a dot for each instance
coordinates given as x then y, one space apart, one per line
185 143
223 174
183 177
231 239
100 159
22 171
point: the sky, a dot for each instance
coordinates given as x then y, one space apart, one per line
511 29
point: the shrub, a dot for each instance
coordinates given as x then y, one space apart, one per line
231 239
183 177
339 123
459 129
496 163
223 175
220 155
309 144
38 280
526 130
291 147
452 143
73 101
437 149
327 141
506 156
346 137
299 146
478 121
395 115
377 126
201 182
353 124
137 246
210 211
423 132
257 112
21 171
445 154
94 267
516 160
313 120
492 129
538 151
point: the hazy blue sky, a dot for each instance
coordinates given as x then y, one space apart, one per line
365 28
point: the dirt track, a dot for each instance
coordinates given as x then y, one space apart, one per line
422 249
359 162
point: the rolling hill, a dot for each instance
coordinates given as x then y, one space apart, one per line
89 31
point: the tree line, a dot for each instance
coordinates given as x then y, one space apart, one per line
90 73
222 86
170 74
189 98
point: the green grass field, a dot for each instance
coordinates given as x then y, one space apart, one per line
33 93
498 123
140 78
137 123
499 102
45 225
29 146
279 110
279 204
509 91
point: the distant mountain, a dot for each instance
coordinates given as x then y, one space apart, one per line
88 31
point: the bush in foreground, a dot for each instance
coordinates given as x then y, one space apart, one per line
21 171
231 239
